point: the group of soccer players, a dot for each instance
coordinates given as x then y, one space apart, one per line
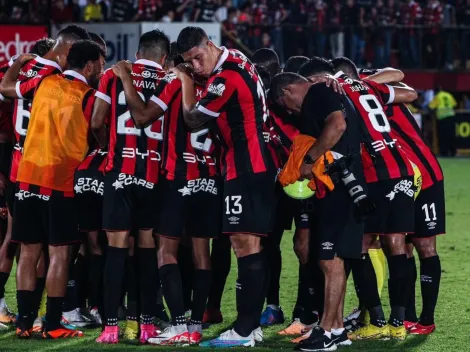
120 180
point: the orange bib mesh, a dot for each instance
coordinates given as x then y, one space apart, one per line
56 140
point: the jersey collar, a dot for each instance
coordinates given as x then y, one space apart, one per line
44 61
338 74
149 63
76 75
222 59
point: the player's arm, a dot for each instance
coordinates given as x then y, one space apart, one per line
386 75
98 118
393 94
143 113
8 84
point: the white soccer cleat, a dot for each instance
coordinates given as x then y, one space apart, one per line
172 335
230 338
95 316
76 318
258 334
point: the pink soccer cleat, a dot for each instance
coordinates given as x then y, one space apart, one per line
147 331
110 335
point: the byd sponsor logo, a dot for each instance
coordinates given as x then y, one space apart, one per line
18 40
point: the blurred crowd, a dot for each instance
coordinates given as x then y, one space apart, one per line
412 34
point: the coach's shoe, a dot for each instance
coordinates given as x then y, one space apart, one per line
110 335
317 341
230 338
371 332
95 316
295 328
7 316
38 325
341 339
272 315
131 332
397 332
409 324
303 337
77 318
175 334
147 331
61 333
212 316
258 334
419 329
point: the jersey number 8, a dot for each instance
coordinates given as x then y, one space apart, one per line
376 114
123 118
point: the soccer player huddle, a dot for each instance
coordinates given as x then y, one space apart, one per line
120 180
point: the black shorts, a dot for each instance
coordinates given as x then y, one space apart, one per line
10 191
190 208
284 210
249 204
303 213
89 190
45 219
335 231
430 212
129 202
394 202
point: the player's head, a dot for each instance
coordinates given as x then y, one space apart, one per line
268 59
154 46
174 58
197 49
346 65
42 46
264 75
88 58
288 90
294 62
316 66
99 40
66 37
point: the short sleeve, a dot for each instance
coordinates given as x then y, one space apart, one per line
215 96
330 101
166 90
25 89
104 88
384 91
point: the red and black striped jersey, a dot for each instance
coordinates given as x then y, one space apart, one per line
94 161
280 135
6 108
235 97
131 150
382 157
29 78
186 155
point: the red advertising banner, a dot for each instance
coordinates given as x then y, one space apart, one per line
18 40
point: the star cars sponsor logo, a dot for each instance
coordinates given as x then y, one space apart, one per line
328 246
216 89
88 184
404 186
22 195
233 220
199 185
127 180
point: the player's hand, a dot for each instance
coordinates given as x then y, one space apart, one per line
183 71
24 58
122 67
306 171
331 82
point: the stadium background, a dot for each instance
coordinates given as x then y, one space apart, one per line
428 40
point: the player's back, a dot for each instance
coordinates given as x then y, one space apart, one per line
383 158
133 151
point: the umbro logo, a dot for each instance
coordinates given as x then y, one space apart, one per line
233 220
431 225
425 278
327 246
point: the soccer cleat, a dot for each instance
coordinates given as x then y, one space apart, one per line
295 328
341 339
195 338
110 335
95 316
147 331
419 329
354 315
131 332
77 318
172 335
7 316
370 332
38 325
397 332
61 333
3 327
317 341
258 334
65 323
23 333
212 316
230 338
409 324
303 337
272 316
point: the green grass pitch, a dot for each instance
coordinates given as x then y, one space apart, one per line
452 315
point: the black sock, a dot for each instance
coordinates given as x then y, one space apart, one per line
132 289
410 308
38 291
147 258
221 263
170 277
354 266
25 300
113 282
71 296
185 263
251 271
54 313
96 281
3 281
397 284
201 287
81 270
364 274
430 282
274 264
